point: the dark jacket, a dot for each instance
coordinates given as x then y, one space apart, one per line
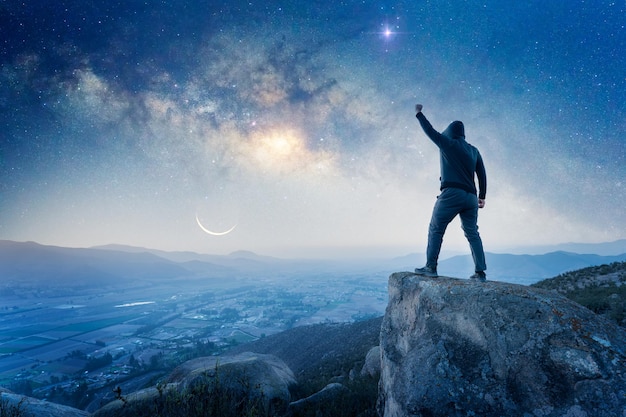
459 159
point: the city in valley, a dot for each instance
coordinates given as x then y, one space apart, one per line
74 342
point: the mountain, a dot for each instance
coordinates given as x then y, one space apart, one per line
520 269
526 269
115 263
185 256
613 248
32 262
238 261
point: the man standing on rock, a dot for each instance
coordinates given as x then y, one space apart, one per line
459 162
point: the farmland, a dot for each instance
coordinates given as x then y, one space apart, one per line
73 345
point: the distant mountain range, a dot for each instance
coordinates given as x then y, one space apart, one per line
527 269
31 261
617 247
530 267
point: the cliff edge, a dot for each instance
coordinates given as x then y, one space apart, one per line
452 347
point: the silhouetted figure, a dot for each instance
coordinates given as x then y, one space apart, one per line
459 162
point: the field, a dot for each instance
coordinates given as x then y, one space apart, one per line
49 347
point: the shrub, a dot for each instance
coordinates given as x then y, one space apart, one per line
602 296
9 410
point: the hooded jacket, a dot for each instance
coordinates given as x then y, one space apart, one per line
459 159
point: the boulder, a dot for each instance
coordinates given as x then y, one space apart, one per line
218 384
452 347
371 367
12 404
265 373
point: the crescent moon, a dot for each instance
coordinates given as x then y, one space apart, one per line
204 229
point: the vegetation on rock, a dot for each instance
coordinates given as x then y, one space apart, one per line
602 289
11 410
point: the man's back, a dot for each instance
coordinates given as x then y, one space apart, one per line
459 159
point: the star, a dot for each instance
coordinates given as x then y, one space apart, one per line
224 110
386 32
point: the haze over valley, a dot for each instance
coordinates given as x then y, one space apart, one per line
78 321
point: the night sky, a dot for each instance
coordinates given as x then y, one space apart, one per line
291 125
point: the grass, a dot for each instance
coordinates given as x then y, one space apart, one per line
602 289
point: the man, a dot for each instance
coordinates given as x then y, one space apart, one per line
459 162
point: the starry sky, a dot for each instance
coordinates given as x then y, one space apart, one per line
287 128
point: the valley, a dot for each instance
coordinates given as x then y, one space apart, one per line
77 324
75 346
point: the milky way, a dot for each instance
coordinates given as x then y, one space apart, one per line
134 122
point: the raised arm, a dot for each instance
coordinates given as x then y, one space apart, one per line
435 136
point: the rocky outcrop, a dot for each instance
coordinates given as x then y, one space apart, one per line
12 404
266 373
212 385
371 367
318 401
319 349
453 347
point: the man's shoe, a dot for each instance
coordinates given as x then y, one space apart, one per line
479 276
426 271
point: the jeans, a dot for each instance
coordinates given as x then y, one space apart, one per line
453 201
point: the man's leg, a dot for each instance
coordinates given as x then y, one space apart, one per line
469 222
446 208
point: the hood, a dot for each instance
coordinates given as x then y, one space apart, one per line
455 130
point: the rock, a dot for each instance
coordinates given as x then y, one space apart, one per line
453 347
372 363
145 402
246 379
266 373
319 349
12 404
323 399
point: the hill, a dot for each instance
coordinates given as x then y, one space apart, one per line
317 353
29 262
52 265
599 288
527 269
